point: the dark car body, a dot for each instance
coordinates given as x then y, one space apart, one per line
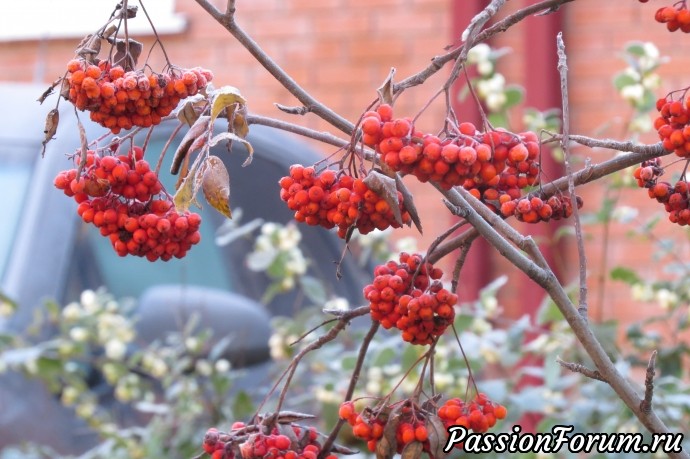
47 252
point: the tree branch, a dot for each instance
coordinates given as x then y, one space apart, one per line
565 145
227 20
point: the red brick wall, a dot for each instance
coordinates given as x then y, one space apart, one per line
341 50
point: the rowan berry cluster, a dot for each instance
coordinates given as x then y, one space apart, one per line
121 196
250 442
369 424
535 210
673 125
337 200
409 297
120 100
479 415
675 198
489 165
676 17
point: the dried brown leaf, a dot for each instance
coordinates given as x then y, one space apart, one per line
412 450
438 436
286 417
386 188
184 196
386 89
239 122
388 443
233 137
408 203
127 52
216 187
52 120
198 129
187 112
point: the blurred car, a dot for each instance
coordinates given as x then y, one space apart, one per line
47 252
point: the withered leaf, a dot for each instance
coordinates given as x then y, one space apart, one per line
430 403
185 194
340 449
187 112
386 90
197 130
126 52
388 443
412 450
239 122
216 187
385 187
438 436
52 120
408 203
231 136
286 417
225 97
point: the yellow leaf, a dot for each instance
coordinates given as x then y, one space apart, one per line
185 194
225 97
216 185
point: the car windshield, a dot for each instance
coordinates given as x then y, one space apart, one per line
15 173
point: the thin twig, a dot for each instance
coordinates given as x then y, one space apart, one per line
590 173
565 146
646 404
227 20
325 449
321 136
578 368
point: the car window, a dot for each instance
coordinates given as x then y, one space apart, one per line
16 164
255 191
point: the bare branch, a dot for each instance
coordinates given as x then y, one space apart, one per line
227 20
646 404
578 368
565 145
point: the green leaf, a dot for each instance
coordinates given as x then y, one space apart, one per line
514 95
242 406
670 361
622 80
409 356
498 119
548 312
313 289
463 321
624 274
636 48
607 332
384 357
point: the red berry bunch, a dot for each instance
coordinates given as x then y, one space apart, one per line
250 442
120 100
407 296
122 197
673 125
675 198
479 415
370 423
337 200
676 17
535 210
488 164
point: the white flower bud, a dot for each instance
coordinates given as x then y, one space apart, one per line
115 349
495 101
79 334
